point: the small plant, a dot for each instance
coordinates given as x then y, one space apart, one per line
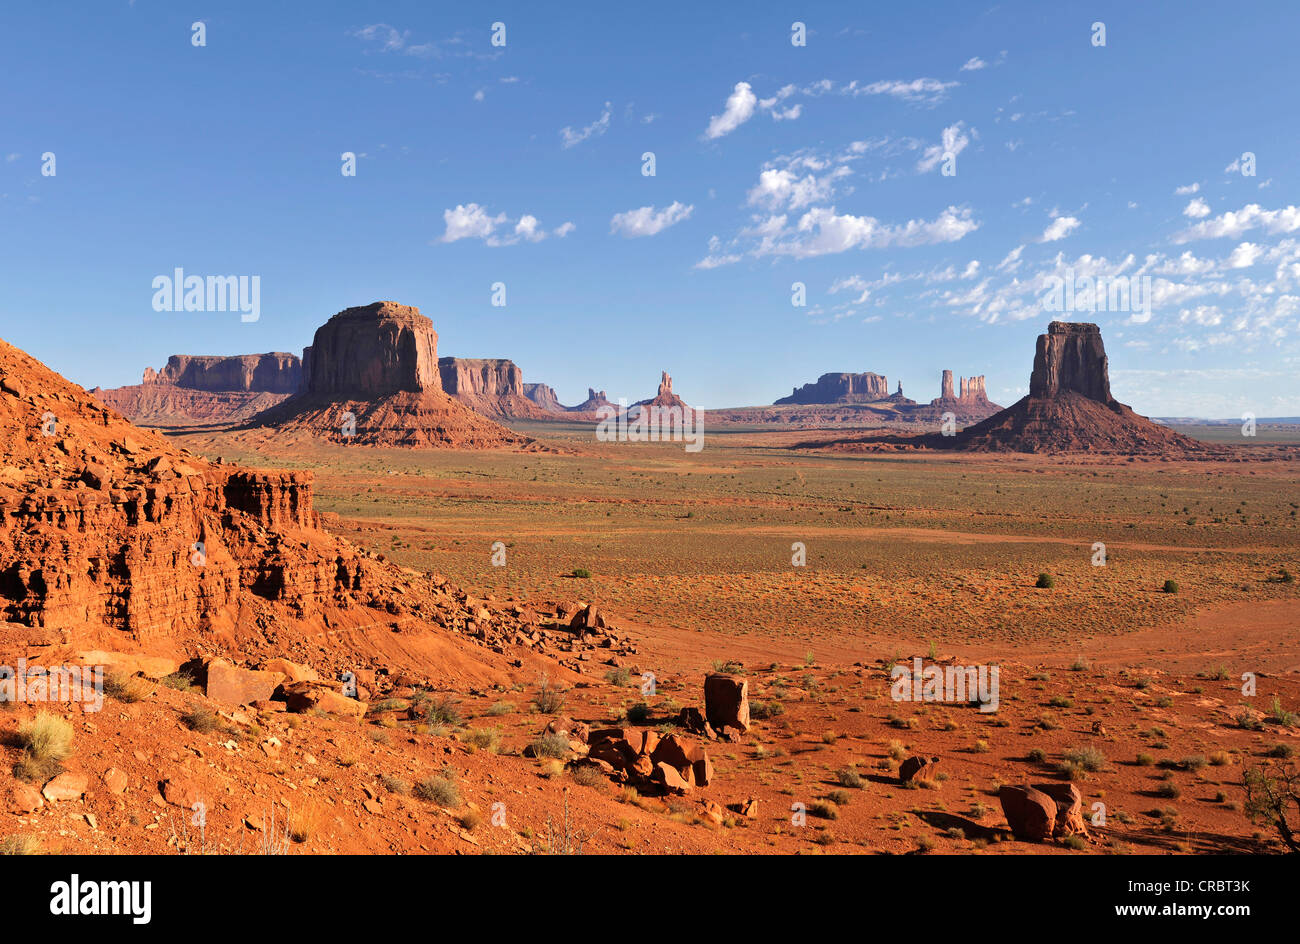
587 776
618 676
848 777
1273 799
500 708
824 809
1169 790
1045 581
47 737
1036 755
440 790
125 688
638 713
1220 759
551 744
1089 758
550 697
182 681
20 844
1145 760
394 784
1279 715
202 720
1171 586
582 573
484 739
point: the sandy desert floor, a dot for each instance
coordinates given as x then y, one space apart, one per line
1132 693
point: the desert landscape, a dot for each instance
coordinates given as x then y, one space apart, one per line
370 619
722 431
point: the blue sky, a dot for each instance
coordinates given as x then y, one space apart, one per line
821 164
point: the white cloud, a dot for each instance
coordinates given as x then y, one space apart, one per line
1011 261
972 269
1234 223
954 141
779 187
595 129
1244 256
923 91
973 64
564 229
471 221
647 221
738 110
1196 209
1188 189
1059 228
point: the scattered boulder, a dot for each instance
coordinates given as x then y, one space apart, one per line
235 686
114 780
24 798
1069 809
292 671
66 786
302 697
918 768
1030 813
181 791
726 702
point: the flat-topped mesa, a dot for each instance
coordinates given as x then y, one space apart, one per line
372 351
840 388
275 372
1071 357
490 377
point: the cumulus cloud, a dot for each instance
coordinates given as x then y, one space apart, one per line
1234 223
973 64
954 140
1188 189
739 109
598 127
1196 209
471 221
647 221
1059 228
1244 256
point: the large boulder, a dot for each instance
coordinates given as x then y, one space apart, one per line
1069 809
1030 813
301 697
726 702
918 768
66 786
235 686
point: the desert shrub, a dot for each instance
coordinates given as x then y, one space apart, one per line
1170 586
20 844
1089 758
202 720
728 667
182 681
618 676
394 784
1273 799
1079 665
638 713
500 708
824 809
763 710
1279 715
47 737
484 739
582 573
1220 759
1169 790
1045 582
551 744
848 777
550 697
1036 755
839 797
443 711
1145 760
1060 701
125 688
1076 843
1193 763
440 790
588 776
1281 751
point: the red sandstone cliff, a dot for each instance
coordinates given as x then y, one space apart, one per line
491 386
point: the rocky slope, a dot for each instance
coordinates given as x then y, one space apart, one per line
371 377
256 373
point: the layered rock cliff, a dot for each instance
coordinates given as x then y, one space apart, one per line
544 396
250 373
371 377
840 388
491 386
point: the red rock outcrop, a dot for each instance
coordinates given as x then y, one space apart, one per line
491 386
256 373
1070 407
840 388
544 396
371 377
193 389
